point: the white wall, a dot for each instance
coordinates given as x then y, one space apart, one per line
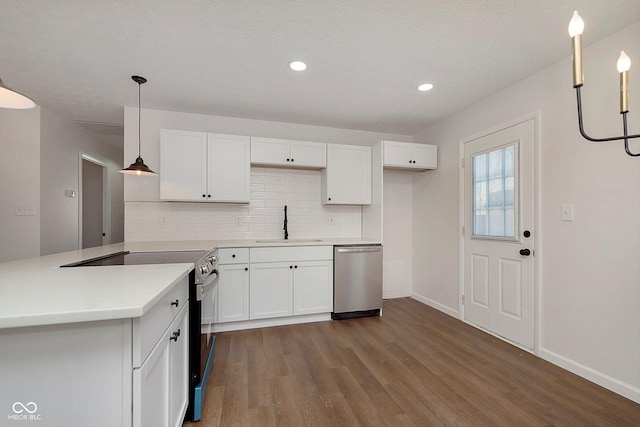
397 232
270 188
61 142
589 282
19 183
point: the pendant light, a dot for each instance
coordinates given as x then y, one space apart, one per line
9 98
138 167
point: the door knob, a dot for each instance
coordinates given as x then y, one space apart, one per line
525 252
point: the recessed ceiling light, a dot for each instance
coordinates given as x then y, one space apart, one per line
298 66
425 87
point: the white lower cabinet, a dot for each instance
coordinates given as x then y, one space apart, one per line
290 281
151 383
273 282
233 293
160 385
271 290
118 372
179 358
312 287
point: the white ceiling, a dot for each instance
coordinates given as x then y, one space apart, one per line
230 57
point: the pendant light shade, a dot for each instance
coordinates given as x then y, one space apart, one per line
9 98
138 167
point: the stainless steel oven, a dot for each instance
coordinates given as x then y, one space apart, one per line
202 283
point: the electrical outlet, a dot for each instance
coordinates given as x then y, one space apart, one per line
237 220
25 210
328 220
566 212
163 219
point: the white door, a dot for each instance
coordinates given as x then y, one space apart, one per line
229 166
308 154
347 178
312 287
270 151
499 233
270 292
179 358
425 156
233 293
183 165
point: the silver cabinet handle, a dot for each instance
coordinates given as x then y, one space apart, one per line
347 250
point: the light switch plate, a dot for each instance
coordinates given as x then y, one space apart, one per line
25 210
566 212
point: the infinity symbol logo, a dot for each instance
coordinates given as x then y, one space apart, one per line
20 407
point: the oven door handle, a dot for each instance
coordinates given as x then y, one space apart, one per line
207 286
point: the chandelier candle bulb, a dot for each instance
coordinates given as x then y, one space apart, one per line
576 27
624 64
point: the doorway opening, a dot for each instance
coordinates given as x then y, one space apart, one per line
94 204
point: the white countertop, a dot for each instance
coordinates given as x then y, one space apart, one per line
36 291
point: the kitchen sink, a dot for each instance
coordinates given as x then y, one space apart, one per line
289 241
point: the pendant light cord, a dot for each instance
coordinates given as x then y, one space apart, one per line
139 120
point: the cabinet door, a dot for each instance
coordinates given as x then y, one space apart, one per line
270 151
425 156
347 178
151 387
233 293
308 154
228 172
270 293
312 287
397 154
179 359
183 165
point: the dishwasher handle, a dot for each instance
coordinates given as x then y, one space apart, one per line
365 249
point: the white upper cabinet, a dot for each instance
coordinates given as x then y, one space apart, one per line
183 165
288 153
347 178
406 155
229 168
201 167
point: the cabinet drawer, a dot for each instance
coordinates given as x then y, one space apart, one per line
291 253
148 329
233 256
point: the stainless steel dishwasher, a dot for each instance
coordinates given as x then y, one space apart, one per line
357 281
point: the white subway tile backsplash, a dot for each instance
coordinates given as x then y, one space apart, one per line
262 218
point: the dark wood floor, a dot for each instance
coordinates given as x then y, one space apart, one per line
414 366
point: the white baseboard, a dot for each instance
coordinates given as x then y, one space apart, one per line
616 386
436 305
265 323
401 293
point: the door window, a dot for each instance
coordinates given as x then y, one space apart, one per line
495 193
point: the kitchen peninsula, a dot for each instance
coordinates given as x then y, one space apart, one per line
70 338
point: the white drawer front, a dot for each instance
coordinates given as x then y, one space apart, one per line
233 256
291 253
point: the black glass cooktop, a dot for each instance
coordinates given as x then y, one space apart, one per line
137 258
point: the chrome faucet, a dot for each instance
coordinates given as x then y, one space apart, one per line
286 231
